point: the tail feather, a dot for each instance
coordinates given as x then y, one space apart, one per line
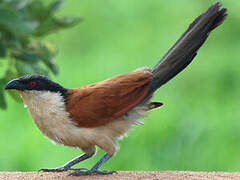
185 49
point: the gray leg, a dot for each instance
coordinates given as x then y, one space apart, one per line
95 168
69 164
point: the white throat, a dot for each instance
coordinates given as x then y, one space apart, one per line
48 111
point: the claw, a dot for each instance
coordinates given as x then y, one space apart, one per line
89 172
61 169
104 172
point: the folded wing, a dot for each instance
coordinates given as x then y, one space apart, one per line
100 103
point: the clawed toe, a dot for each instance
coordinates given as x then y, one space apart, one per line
89 172
104 172
61 169
80 173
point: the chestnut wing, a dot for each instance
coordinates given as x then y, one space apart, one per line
100 103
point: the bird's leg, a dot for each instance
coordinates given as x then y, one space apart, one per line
69 164
95 168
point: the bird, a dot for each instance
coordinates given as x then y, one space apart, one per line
98 114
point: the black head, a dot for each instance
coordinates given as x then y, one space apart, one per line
35 82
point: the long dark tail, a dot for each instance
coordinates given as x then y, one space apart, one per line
185 49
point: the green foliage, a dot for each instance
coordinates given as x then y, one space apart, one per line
22 26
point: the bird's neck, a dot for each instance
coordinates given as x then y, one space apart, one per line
42 104
42 99
57 88
48 111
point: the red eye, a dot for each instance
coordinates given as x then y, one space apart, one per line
33 83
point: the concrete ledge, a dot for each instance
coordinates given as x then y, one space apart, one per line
121 175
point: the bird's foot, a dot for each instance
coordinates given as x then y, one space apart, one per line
90 172
62 169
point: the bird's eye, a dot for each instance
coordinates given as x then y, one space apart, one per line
33 83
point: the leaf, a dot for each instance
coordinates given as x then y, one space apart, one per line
3 104
11 41
66 22
46 54
53 7
3 50
53 24
46 27
11 21
24 68
37 10
40 12
30 57
17 4
50 63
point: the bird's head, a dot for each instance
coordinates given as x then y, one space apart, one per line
35 83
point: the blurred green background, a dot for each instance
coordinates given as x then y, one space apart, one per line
197 129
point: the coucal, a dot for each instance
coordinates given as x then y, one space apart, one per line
98 114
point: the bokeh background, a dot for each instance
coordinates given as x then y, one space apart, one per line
197 129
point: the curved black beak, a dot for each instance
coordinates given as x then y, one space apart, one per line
14 84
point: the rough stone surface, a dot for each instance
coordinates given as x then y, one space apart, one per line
139 175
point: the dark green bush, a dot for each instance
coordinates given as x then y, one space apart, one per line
23 23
